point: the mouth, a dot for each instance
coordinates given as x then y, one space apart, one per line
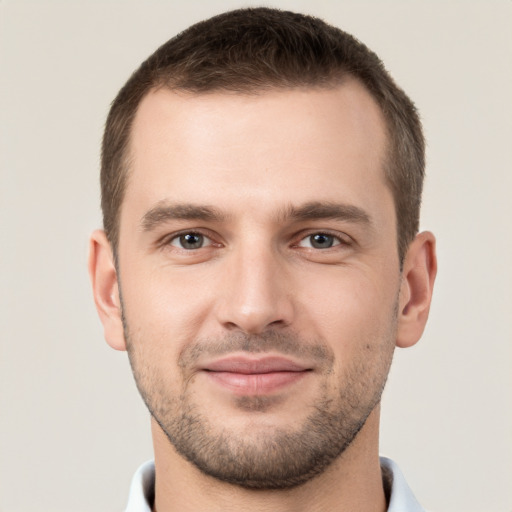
255 376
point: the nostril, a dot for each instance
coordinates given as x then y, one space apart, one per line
277 323
231 326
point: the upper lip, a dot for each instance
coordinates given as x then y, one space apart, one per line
248 365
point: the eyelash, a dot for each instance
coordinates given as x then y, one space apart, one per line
339 240
168 241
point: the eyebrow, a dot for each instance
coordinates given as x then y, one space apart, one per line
317 210
164 211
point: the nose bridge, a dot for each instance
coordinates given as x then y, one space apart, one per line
256 294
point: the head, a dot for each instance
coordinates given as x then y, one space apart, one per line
250 51
261 182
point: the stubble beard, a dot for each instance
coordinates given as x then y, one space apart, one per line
266 457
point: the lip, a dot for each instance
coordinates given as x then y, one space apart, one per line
255 376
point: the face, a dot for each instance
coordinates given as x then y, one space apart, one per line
259 276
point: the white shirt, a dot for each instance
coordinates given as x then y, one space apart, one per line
401 498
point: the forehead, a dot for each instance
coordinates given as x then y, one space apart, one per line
234 150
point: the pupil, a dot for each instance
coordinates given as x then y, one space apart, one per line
321 241
191 241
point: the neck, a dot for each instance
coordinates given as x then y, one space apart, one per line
353 482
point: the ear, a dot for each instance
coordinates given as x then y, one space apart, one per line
418 276
105 287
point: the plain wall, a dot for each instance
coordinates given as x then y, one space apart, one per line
72 426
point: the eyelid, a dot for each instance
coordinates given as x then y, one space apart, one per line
175 241
341 238
166 241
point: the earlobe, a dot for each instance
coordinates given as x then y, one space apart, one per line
418 276
103 274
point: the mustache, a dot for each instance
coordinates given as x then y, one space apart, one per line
286 343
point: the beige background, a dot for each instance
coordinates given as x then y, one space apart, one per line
72 427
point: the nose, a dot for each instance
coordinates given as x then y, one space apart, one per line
255 293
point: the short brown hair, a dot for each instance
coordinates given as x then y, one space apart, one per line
250 50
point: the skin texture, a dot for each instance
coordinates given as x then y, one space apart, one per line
290 252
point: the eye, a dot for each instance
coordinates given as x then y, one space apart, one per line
190 241
320 241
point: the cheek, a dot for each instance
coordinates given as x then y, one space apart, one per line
163 311
358 321
351 310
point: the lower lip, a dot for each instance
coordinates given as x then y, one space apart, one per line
256 383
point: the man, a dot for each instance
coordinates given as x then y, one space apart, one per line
261 183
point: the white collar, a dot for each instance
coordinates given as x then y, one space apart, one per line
401 498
